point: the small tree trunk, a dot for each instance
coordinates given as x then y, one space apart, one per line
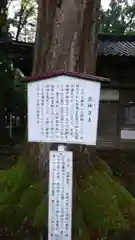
66 40
19 25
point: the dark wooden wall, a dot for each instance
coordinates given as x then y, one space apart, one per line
108 124
111 121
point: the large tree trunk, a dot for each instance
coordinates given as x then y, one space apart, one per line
66 40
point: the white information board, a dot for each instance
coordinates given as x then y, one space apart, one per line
63 109
60 195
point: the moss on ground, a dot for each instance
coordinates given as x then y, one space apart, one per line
100 203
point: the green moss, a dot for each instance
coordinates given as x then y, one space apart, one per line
101 203
79 227
41 214
30 200
102 166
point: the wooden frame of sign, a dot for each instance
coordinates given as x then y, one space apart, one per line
62 108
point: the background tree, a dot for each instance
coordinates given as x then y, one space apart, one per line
5 67
23 20
118 18
9 79
3 17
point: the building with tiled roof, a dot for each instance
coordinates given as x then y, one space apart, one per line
116 60
116 45
108 45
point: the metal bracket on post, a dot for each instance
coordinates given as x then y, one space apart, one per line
62 148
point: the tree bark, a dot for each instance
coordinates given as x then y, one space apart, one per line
66 39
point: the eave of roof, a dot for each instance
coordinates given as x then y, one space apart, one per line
70 74
108 45
116 37
116 45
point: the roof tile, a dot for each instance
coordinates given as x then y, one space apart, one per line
116 47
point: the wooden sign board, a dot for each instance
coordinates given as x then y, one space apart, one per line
60 195
63 109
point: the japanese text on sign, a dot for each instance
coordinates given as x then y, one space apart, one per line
60 195
64 110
